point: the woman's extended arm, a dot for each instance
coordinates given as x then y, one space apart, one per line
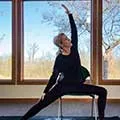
53 78
51 81
74 36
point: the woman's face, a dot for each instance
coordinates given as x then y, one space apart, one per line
66 41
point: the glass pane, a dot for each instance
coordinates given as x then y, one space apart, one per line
44 20
5 40
111 39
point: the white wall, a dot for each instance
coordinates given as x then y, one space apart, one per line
35 91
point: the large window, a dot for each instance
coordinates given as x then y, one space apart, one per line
5 40
39 49
111 40
42 21
27 29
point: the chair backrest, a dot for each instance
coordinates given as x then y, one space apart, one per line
85 72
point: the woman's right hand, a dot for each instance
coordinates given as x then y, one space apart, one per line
43 95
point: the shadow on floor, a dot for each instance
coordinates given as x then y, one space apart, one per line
55 118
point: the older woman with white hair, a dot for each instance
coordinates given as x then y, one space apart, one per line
68 74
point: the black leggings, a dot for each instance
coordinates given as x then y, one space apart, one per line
60 90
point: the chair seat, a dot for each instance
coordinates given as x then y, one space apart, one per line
82 94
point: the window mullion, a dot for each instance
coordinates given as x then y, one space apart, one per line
94 41
99 39
14 41
20 45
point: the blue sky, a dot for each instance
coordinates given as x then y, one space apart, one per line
35 30
5 28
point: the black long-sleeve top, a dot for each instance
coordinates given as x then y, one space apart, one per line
70 64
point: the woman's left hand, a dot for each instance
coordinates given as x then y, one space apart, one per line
67 10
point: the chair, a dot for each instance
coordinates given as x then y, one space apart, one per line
93 106
85 73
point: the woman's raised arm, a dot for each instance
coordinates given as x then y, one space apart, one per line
74 35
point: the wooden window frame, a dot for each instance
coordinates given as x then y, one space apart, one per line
102 81
7 81
18 46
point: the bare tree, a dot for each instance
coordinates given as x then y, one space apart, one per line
111 32
111 19
2 37
56 17
32 50
2 13
111 23
59 20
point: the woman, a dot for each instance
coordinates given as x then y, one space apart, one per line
68 63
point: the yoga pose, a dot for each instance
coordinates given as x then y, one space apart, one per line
67 64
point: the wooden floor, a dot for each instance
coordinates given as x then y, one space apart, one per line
69 108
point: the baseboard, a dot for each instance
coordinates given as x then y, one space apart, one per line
33 100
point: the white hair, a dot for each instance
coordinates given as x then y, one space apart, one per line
58 41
